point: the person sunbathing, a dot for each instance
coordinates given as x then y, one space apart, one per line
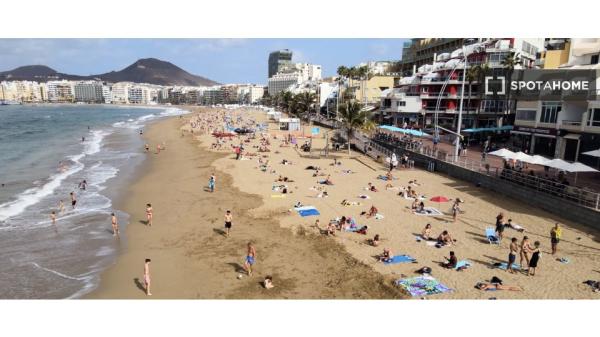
445 239
414 182
488 286
389 176
345 202
386 256
372 212
374 241
331 228
415 205
421 207
514 226
371 187
363 230
426 233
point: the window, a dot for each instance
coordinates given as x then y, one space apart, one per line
594 59
526 115
550 112
401 103
594 117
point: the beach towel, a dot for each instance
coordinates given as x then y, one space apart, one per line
353 229
400 259
490 233
307 211
429 211
384 178
462 264
504 266
422 286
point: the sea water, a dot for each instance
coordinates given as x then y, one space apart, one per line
46 151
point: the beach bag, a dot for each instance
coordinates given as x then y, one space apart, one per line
424 270
496 280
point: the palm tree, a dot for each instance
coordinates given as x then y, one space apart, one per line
353 117
286 98
509 63
343 73
306 100
471 76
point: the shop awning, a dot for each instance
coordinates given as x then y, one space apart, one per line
502 128
405 131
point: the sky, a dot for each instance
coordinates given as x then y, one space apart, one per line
222 60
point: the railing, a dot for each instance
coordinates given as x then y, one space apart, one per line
574 194
571 123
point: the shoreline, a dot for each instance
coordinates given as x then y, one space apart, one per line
191 259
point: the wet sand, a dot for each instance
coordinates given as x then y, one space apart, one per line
191 258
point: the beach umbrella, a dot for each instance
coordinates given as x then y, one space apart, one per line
439 199
538 160
594 153
502 153
559 164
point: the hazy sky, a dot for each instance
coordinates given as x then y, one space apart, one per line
222 60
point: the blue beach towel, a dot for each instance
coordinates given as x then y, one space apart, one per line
307 211
504 266
401 259
462 263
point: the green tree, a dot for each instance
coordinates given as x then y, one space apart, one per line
306 101
509 63
353 117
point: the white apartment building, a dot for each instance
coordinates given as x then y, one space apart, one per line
120 93
88 92
107 93
283 81
255 93
137 95
60 91
377 67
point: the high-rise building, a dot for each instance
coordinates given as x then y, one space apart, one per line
60 91
279 60
283 81
88 92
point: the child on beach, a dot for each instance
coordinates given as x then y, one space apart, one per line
53 217
386 256
115 224
250 258
147 276
149 214
268 282
211 182
228 219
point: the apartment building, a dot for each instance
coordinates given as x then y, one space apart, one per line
60 91
563 128
88 92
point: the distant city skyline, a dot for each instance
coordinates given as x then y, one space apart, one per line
222 60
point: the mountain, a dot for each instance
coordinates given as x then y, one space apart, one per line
148 70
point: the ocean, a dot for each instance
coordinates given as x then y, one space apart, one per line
46 152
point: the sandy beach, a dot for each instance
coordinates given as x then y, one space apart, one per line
191 258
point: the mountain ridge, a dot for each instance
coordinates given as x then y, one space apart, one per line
146 70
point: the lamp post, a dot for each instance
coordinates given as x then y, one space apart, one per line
460 107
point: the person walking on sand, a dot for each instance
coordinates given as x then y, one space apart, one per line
115 224
211 182
149 214
555 235
53 217
250 258
228 219
455 209
147 276
512 255
73 200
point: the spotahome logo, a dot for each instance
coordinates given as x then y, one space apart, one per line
544 85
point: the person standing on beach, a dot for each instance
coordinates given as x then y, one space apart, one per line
147 276
53 217
250 258
149 214
512 256
535 257
555 235
211 182
228 219
500 226
73 200
455 210
525 251
115 224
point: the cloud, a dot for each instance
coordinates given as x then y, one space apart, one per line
379 49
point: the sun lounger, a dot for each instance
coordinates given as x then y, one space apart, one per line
400 259
490 234
422 286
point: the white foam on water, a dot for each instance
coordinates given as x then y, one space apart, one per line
34 195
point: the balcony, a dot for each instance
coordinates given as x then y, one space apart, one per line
571 125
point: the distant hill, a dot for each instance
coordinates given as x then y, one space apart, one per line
148 70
